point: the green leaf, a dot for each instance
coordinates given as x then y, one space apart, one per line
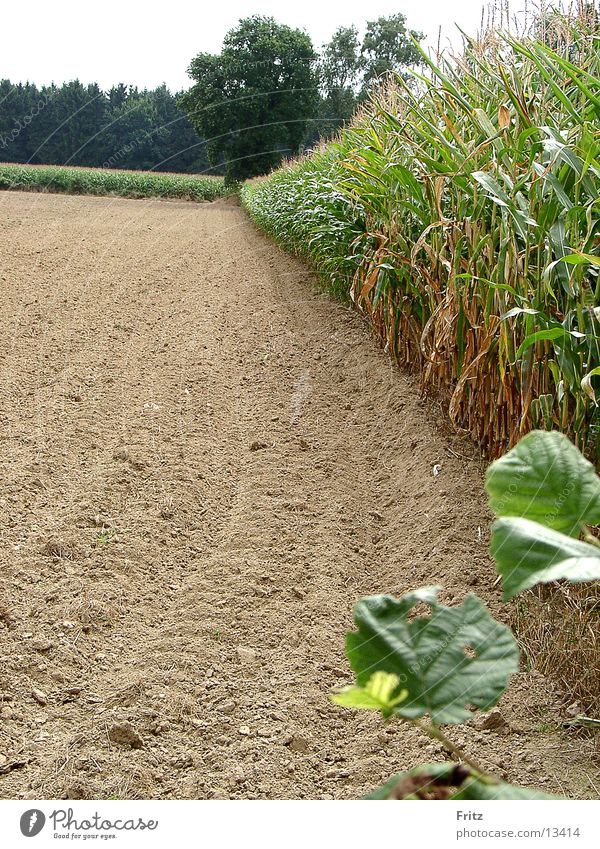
492 186
544 478
571 259
544 335
376 695
527 553
449 782
454 658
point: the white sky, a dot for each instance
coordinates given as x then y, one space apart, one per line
144 44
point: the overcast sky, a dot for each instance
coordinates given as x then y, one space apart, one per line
145 44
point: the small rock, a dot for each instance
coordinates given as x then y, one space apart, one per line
296 743
70 694
40 697
492 721
42 644
573 709
6 713
238 776
246 655
57 675
184 761
299 593
227 707
124 734
258 446
276 716
245 731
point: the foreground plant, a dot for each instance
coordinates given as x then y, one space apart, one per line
440 668
547 497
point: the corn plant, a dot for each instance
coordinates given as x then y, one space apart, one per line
457 660
100 181
462 214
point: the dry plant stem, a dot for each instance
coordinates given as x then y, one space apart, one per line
589 537
435 733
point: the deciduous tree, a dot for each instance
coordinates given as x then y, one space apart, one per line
255 100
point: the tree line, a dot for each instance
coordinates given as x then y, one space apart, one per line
76 124
267 95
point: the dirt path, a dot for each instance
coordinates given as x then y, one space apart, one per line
204 463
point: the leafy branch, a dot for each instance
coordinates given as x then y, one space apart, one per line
452 661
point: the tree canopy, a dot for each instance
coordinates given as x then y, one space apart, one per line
388 46
253 102
349 68
76 124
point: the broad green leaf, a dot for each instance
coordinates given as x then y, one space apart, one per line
546 335
377 694
454 658
581 259
546 479
450 781
527 553
571 259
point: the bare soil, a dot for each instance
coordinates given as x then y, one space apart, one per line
204 462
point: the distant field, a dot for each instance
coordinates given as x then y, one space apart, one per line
100 181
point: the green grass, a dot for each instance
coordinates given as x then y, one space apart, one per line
99 181
105 536
462 215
